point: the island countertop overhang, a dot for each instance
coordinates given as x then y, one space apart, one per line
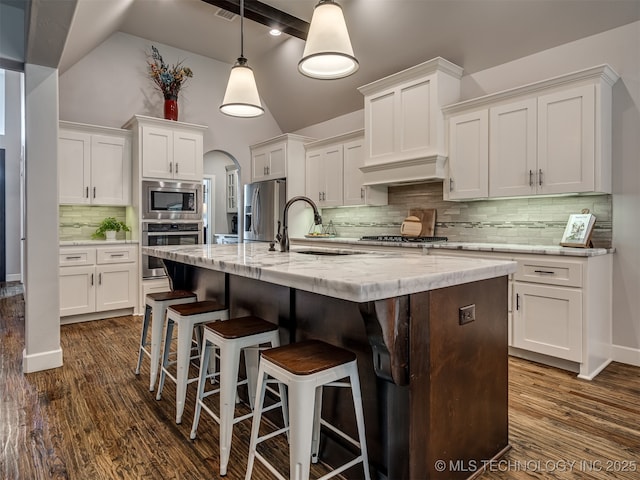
361 277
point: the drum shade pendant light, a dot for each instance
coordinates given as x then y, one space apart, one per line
328 53
241 98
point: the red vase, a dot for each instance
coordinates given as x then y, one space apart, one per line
171 108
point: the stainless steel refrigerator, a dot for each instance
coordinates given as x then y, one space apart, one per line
263 206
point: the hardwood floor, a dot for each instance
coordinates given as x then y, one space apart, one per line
94 419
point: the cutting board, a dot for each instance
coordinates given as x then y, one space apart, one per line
427 217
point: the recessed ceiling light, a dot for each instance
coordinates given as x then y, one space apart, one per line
275 32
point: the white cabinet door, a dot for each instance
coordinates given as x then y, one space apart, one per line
77 290
269 162
314 176
232 191
354 192
324 177
468 162
157 152
187 156
74 167
566 141
116 286
548 320
110 171
512 149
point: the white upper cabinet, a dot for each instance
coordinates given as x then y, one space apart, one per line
94 165
404 126
551 137
168 150
334 177
281 157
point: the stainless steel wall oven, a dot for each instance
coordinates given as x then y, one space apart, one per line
166 233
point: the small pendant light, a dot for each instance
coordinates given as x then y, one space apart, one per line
328 53
241 98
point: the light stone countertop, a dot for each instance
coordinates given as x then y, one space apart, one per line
96 243
471 246
360 277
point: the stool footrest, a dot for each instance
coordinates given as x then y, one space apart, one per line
341 469
339 432
269 466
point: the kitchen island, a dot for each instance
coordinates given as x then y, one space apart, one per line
430 334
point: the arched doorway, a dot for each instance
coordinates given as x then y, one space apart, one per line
222 197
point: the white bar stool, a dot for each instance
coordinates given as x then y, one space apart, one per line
231 337
187 317
155 310
306 367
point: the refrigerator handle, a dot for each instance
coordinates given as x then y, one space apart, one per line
255 211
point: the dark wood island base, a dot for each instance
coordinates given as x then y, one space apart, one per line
433 373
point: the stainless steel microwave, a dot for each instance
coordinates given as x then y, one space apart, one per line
171 201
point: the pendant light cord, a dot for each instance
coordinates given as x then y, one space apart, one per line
242 28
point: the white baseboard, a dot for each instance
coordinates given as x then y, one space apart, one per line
41 361
14 277
628 355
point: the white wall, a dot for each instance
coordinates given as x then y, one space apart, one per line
111 84
11 142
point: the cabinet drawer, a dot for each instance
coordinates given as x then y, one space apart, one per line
567 274
116 254
77 256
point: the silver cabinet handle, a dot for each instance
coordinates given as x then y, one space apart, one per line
92 279
451 184
540 177
531 178
114 255
546 272
362 192
75 257
94 192
100 279
170 167
319 196
517 301
87 192
176 167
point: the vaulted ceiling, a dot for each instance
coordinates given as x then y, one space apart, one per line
387 36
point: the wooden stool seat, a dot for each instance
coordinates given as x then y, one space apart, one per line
172 295
308 357
197 308
241 327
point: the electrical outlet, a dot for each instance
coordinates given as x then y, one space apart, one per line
467 314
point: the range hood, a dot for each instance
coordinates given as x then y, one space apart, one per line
402 172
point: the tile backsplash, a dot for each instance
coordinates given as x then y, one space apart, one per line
78 222
535 220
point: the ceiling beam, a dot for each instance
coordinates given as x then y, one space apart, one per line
266 15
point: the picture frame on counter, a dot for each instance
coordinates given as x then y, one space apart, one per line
578 231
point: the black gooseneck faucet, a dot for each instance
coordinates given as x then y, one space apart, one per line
283 238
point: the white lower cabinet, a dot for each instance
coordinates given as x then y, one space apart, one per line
97 279
548 320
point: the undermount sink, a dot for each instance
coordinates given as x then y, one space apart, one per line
327 252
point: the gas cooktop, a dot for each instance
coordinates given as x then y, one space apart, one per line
400 238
